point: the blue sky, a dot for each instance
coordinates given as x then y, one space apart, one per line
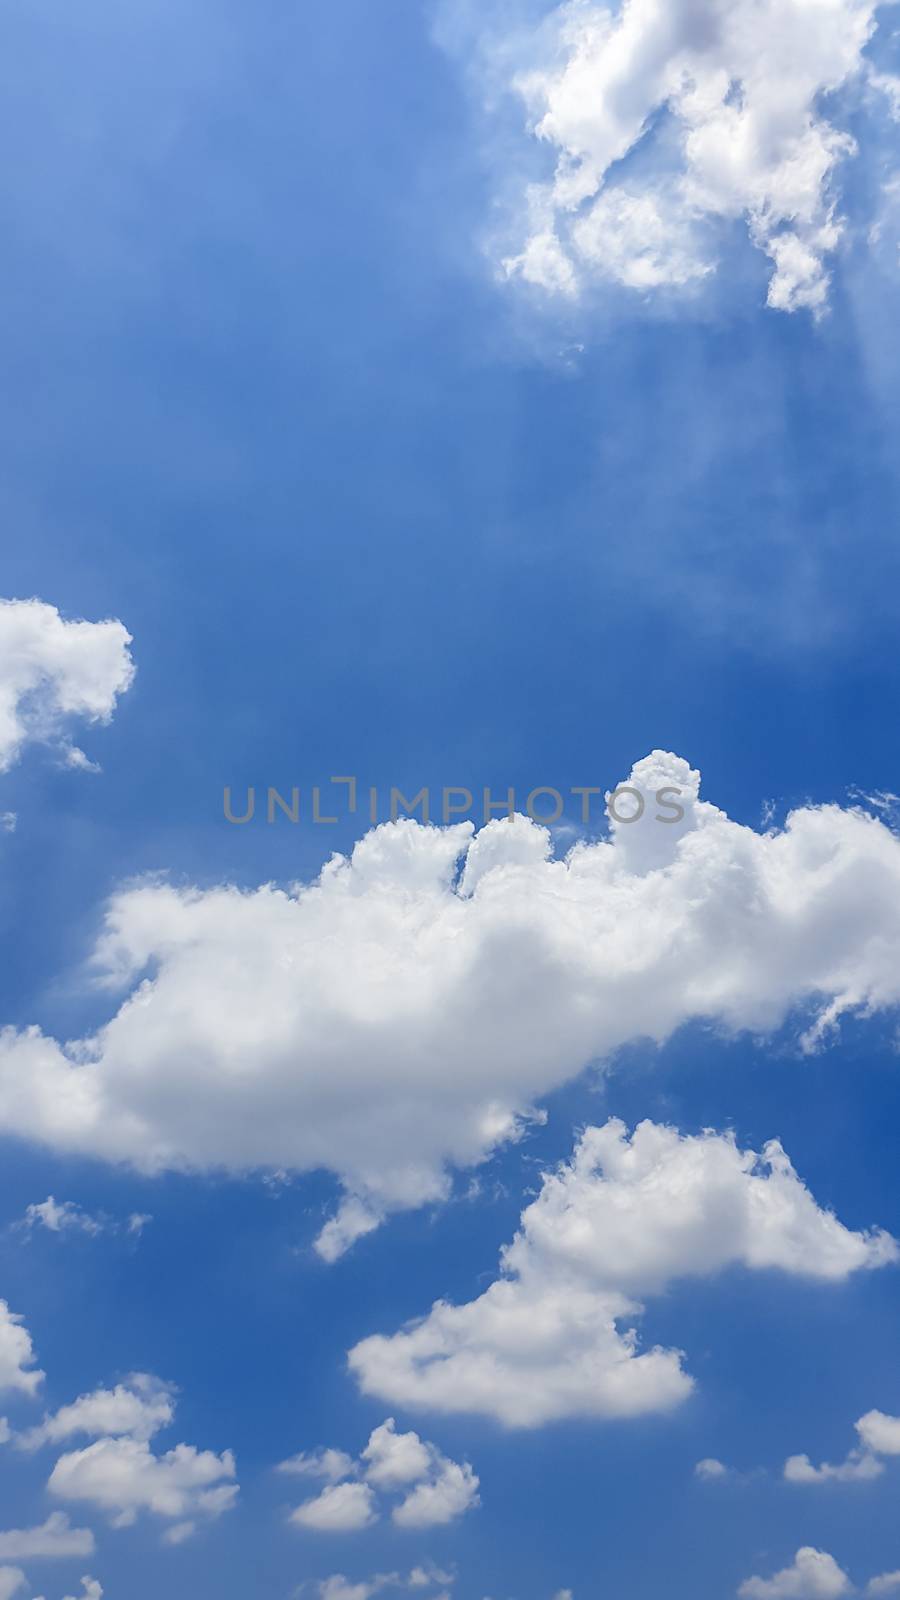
367 505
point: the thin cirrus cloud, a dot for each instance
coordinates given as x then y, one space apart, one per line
405 1014
554 1336
55 672
427 1488
668 126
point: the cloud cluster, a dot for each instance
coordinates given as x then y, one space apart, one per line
433 1490
879 1435
406 1012
117 1472
54 672
625 1218
671 125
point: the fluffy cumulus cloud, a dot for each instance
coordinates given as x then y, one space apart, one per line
12 1581
813 1575
17 1368
140 1407
122 1477
625 1218
405 1013
879 1435
433 1490
340 1508
54 673
54 1539
668 124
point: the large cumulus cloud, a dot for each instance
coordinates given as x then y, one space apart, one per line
406 1012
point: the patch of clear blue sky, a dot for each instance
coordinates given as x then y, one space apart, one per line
364 513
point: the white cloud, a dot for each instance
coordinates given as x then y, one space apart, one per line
859 1467
626 1217
813 1575
122 1477
879 1436
405 1014
54 1539
451 1493
331 1464
139 1407
52 672
341 1508
90 1590
11 1581
390 1463
179 1533
880 1433
338 1587
710 1469
885 1583
62 1217
17 1369
393 1459
669 125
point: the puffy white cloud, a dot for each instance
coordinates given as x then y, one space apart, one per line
449 1495
122 1477
624 1218
340 1508
885 1583
52 672
879 1436
390 1463
404 1014
17 1369
859 1467
671 124
55 1538
711 1470
139 1407
880 1433
393 1459
813 1575
11 1581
